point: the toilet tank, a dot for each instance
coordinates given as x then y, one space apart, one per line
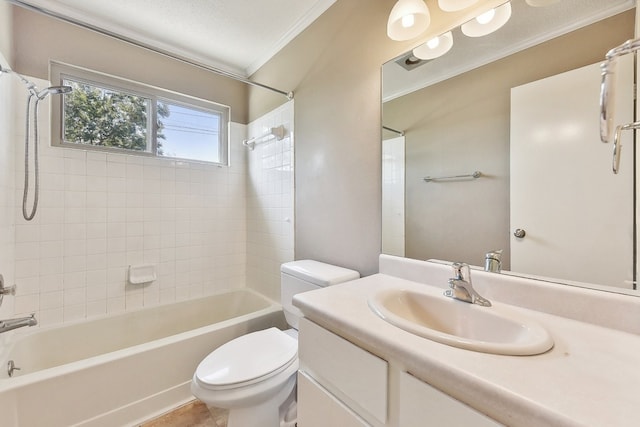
307 275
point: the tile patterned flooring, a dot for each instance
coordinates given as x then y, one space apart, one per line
192 414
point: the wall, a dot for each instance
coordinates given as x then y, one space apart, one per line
6 33
334 69
35 46
471 132
270 195
101 212
393 199
7 150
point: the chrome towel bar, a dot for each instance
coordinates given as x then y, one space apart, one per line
475 175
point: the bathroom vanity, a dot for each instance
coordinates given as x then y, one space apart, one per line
340 384
358 369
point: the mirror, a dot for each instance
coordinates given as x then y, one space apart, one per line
469 111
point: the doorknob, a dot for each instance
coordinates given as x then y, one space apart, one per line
519 233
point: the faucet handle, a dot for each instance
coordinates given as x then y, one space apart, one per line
11 290
493 261
461 269
457 270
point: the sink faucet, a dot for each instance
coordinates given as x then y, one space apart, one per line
493 262
11 324
461 288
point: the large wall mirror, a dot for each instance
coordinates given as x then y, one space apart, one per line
495 146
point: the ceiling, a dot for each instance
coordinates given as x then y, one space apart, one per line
234 35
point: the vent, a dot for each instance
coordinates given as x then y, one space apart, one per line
410 62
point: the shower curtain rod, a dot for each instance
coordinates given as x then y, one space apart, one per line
78 23
399 132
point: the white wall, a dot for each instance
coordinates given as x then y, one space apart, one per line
270 189
100 212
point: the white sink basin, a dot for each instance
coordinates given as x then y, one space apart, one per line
460 324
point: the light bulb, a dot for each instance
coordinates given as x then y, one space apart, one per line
487 22
433 43
486 17
408 21
435 47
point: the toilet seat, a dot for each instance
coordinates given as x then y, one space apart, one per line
235 364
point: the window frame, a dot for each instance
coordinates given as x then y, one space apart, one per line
60 71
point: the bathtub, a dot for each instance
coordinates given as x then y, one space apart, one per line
124 369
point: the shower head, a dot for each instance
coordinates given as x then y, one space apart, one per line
54 90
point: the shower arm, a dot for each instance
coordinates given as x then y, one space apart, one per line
31 86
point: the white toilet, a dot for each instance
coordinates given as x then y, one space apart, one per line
254 376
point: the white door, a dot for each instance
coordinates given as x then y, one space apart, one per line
393 196
577 215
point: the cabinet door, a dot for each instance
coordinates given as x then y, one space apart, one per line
425 406
354 375
318 408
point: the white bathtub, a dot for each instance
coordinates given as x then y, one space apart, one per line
124 369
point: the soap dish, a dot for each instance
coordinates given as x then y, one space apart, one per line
141 274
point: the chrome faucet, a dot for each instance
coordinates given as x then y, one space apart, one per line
11 324
461 288
493 261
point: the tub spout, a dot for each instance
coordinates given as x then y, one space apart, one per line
11 324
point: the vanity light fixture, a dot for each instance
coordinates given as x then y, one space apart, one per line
487 22
408 19
541 3
435 47
455 5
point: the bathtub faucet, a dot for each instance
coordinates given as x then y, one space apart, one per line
11 324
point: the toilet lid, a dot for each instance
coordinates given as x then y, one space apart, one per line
247 357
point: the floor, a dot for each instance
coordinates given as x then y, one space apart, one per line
192 414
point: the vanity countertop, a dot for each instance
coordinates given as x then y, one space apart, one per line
589 378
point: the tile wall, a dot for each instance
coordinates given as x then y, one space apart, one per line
7 153
101 212
270 195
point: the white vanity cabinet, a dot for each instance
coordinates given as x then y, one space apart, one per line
341 384
422 405
335 374
317 407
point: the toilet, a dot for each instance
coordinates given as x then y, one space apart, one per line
254 376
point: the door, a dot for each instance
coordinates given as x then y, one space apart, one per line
577 215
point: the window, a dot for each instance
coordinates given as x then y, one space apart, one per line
107 113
